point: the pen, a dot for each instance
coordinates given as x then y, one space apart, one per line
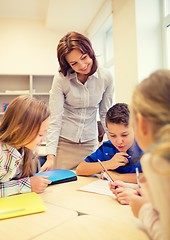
105 170
106 176
137 176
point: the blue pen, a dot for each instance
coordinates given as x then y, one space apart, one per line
106 176
137 176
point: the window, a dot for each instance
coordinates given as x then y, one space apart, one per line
166 33
103 45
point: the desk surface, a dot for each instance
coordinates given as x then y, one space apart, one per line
73 214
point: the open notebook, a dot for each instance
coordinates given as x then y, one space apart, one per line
59 175
21 204
99 186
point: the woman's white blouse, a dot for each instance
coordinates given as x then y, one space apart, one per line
74 107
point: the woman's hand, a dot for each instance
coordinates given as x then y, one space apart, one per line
39 183
48 165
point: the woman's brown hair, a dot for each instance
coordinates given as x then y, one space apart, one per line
69 42
20 125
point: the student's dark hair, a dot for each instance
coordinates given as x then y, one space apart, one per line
119 114
69 42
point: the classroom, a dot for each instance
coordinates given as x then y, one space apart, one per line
131 40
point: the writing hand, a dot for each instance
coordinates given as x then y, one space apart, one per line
123 194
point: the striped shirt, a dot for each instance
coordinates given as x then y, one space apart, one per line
74 107
107 147
11 168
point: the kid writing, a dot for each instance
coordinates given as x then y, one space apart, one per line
121 154
150 110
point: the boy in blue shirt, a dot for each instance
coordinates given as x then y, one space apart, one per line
121 154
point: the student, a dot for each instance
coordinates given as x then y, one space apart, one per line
121 154
151 116
78 90
22 129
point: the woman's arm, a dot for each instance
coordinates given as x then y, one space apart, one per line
56 103
107 99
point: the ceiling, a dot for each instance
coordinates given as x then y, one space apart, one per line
58 15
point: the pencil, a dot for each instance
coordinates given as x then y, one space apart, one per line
112 154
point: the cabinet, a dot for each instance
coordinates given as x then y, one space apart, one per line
11 86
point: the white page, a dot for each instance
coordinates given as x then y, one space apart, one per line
100 186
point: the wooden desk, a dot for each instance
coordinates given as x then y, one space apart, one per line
88 227
77 215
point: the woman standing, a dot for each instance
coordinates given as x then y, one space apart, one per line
79 89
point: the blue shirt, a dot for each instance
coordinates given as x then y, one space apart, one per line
74 106
107 147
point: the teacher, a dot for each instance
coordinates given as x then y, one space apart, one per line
79 89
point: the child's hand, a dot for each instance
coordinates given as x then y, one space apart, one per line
124 194
114 175
119 159
136 202
39 183
119 183
115 184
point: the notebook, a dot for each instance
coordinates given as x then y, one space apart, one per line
59 175
21 204
100 186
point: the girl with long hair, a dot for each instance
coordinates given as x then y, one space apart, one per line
150 113
22 129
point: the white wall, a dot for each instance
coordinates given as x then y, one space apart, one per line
27 47
125 50
149 37
137 41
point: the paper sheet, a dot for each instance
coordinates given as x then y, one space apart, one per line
100 186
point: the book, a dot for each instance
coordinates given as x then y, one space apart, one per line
21 204
59 175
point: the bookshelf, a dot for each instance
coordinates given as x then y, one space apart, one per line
11 86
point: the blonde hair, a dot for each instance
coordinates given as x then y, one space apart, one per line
161 148
151 98
20 125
